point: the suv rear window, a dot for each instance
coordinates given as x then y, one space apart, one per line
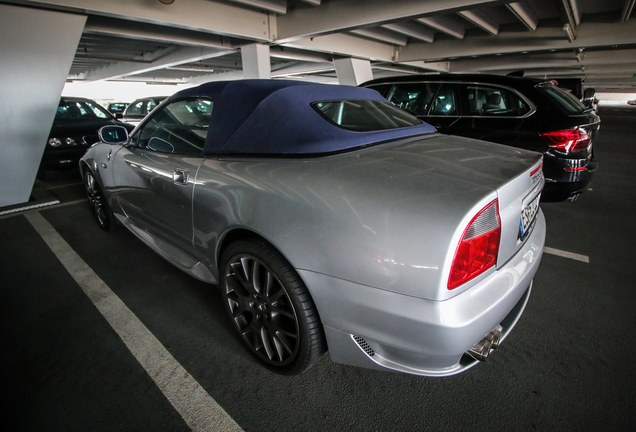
365 115
562 98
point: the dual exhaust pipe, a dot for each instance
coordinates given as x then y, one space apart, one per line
482 349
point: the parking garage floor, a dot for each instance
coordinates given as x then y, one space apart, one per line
159 355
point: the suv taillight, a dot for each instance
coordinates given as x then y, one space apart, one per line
567 140
477 251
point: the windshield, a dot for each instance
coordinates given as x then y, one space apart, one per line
565 99
87 110
365 115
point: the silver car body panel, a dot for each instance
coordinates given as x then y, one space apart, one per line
372 232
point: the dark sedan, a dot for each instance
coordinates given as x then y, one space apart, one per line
74 129
521 112
140 108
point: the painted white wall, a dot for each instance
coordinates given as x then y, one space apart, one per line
615 98
37 50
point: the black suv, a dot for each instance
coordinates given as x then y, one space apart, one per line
520 112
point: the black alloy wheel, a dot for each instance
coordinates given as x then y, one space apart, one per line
101 210
270 307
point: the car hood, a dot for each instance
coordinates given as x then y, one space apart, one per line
80 127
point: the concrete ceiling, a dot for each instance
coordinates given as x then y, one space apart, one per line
193 41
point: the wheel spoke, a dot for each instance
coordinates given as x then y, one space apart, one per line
284 312
261 309
269 350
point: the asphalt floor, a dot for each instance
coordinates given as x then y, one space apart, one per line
65 366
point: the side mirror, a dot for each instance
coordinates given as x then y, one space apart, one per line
113 134
589 93
118 115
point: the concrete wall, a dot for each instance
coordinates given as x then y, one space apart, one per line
36 53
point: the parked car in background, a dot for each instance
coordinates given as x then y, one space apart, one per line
117 108
140 108
524 113
75 127
330 219
631 102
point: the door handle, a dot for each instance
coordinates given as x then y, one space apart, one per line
180 177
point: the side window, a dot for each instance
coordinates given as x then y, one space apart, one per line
135 109
445 102
150 106
99 113
383 89
494 101
414 97
179 128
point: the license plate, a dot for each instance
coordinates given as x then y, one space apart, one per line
528 215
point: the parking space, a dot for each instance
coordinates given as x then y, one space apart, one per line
566 366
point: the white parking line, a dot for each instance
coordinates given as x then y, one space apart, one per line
192 402
565 254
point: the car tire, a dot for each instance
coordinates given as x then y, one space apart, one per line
101 210
270 307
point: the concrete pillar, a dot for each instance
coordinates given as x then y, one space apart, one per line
352 71
37 51
256 64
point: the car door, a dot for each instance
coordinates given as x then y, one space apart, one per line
493 113
155 174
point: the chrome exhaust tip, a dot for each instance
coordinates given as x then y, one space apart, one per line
482 349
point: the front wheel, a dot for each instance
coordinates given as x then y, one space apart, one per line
101 210
270 307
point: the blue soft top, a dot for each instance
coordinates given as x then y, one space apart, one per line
275 117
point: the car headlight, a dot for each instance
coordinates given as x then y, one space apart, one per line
55 142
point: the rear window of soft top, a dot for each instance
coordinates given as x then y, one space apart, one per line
365 115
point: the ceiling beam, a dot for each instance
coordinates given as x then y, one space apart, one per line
346 45
589 34
222 18
172 57
481 20
444 25
628 5
335 16
155 33
276 6
525 14
413 30
382 35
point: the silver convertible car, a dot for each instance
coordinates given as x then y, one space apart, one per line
330 220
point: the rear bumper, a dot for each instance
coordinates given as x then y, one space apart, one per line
373 328
561 184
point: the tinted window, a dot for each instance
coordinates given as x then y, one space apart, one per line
365 115
445 102
415 98
494 101
383 89
180 128
136 109
564 99
80 110
150 106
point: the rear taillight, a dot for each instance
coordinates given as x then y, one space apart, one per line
567 140
477 251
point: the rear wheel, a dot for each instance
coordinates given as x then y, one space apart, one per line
270 307
101 210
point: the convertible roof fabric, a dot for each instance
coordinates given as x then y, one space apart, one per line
275 117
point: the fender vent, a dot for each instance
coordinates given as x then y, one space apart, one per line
364 345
